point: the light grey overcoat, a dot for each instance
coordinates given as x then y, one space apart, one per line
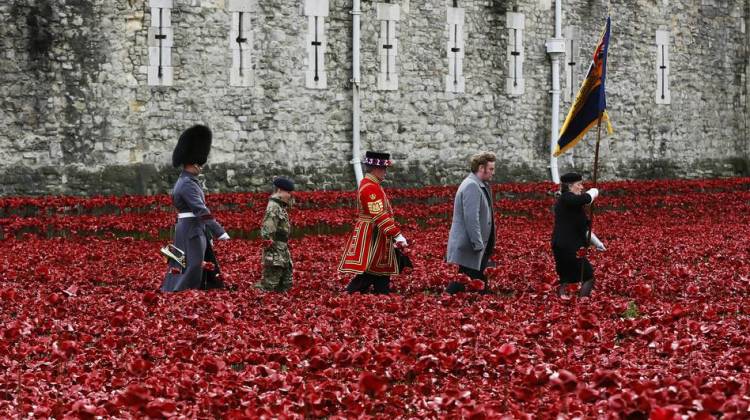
472 223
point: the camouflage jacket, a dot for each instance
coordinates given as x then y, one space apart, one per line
276 226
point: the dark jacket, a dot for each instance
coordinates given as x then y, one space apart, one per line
571 223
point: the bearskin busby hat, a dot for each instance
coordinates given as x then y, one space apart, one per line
377 159
571 177
193 146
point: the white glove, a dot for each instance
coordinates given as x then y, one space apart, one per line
401 240
597 243
224 237
593 192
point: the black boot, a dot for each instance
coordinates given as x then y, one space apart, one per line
360 283
455 287
381 285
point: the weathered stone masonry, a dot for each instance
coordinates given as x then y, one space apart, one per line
77 115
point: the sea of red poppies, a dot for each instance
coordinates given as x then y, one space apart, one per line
84 331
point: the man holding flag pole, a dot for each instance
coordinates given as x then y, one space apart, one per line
572 234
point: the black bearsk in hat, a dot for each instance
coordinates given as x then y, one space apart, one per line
193 146
377 159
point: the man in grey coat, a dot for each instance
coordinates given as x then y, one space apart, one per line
472 236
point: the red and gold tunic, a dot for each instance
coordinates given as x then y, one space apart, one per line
369 249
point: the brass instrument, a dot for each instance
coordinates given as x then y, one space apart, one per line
175 254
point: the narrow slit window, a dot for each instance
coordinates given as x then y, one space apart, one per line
316 12
572 63
454 81
160 42
240 42
514 81
388 14
662 68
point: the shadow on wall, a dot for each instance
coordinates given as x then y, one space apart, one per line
40 39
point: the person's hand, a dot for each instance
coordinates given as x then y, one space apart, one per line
265 243
598 244
400 241
593 192
224 237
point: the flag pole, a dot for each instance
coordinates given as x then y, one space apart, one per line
596 175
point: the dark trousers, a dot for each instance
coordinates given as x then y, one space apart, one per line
361 283
457 287
568 266
211 279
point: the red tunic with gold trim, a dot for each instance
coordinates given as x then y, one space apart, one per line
369 249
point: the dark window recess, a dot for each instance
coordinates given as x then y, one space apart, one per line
572 63
387 47
316 44
161 37
663 69
455 50
515 53
240 40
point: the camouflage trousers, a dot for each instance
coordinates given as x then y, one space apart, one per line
276 278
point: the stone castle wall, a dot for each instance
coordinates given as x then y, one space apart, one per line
77 115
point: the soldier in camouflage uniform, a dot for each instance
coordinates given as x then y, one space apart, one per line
275 230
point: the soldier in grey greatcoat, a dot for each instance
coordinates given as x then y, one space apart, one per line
471 240
195 224
275 230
